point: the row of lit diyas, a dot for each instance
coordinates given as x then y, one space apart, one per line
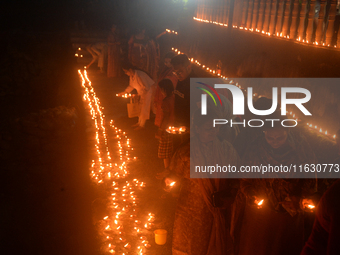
206 68
166 30
126 95
212 22
278 35
122 223
176 130
315 127
309 205
100 133
171 31
210 70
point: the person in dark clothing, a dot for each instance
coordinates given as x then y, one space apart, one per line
324 239
165 147
278 226
183 70
329 177
249 134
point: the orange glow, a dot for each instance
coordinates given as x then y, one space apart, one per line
261 202
102 168
310 206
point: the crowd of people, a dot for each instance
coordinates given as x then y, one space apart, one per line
218 216
141 50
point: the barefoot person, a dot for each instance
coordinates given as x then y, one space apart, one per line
114 48
165 147
141 82
165 73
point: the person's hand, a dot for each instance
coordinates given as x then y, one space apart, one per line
307 204
168 184
258 201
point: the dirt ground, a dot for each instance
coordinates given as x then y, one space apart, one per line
45 189
49 203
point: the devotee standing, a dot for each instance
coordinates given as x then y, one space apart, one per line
324 239
113 62
165 73
137 49
276 226
165 148
183 70
99 53
143 53
142 82
200 224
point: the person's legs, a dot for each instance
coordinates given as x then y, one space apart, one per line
97 48
141 120
165 151
166 162
89 48
145 103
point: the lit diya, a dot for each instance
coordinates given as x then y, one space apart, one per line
311 206
148 225
307 204
259 203
176 130
169 182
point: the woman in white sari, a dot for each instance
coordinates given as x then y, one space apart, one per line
144 85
